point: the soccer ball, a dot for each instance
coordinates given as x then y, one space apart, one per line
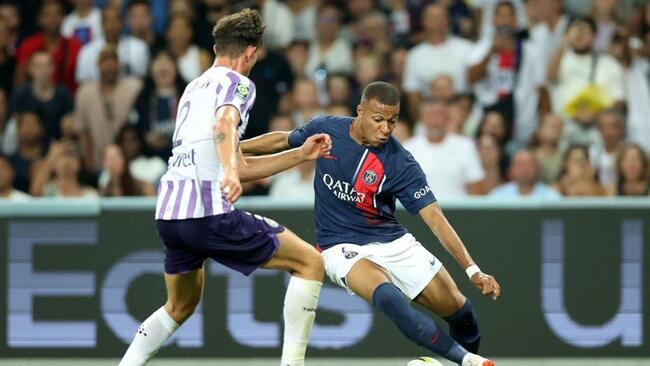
424 361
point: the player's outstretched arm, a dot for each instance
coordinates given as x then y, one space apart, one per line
268 143
257 167
442 229
224 135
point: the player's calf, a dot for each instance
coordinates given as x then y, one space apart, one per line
415 325
463 327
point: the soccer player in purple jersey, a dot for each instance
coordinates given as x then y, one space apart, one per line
194 213
365 249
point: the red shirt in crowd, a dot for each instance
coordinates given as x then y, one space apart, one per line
65 57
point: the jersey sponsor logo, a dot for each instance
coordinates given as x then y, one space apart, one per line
349 254
241 91
421 192
343 190
183 160
370 177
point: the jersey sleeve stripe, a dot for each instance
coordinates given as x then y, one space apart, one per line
251 98
230 94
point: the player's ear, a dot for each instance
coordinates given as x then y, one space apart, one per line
214 49
250 52
360 109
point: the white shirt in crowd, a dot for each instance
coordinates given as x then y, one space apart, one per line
132 52
290 184
449 165
638 106
527 82
426 61
337 59
574 77
85 29
189 65
278 20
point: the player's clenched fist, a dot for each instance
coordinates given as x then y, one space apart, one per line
487 284
317 146
230 185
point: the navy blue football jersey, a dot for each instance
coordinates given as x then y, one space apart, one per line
356 186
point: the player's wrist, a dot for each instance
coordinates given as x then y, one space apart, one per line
472 270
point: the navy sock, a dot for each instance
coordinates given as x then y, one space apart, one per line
416 326
463 327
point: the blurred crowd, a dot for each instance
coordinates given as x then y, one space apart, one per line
519 98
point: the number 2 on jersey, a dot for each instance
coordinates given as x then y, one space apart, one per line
184 111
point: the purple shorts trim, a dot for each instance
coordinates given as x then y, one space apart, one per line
237 240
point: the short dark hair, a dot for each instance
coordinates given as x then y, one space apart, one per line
585 19
133 3
233 33
381 91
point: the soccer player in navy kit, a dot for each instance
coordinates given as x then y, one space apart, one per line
365 249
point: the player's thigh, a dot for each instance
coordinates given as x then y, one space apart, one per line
184 292
364 277
297 257
441 295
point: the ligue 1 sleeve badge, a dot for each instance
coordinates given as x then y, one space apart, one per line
370 177
241 91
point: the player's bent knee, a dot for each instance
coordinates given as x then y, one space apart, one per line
180 311
313 267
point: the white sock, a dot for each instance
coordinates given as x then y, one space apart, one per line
151 335
472 359
300 304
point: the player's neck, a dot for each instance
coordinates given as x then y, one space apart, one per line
355 133
233 64
436 138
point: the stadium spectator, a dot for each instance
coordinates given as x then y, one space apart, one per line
7 62
402 130
548 33
456 177
339 90
209 12
507 73
116 180
367 68
64 49
329 51
442 88
191 60
272 74
133 52
583 81
141 166
578 177
546 147
58 174
633 172
305 102
31 147
606 17
10 16
304 19
7 175
491 156
467 112
612 132
449 52
524 172
278 21
102 107
84 23
42 96
4 113
493 124
140 22
638 88
373 35
156 106
297 55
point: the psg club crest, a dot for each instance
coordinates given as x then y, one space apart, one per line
348 253
370 177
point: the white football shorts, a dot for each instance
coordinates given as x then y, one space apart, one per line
409 265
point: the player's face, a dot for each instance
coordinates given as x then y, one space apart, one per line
377 121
